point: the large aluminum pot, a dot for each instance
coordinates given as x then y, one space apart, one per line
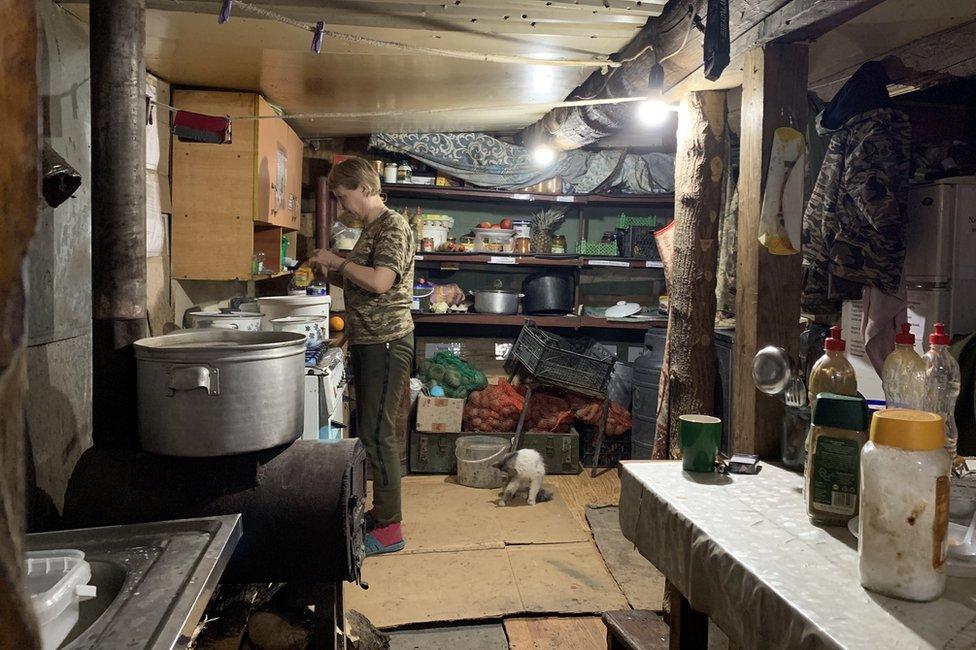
496 301
239 320
215 392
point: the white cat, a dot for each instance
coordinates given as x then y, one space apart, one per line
525 470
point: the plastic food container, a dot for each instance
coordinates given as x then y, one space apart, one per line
522 228
904 522
437 233
494 240
57 581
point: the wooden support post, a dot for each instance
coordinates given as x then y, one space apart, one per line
20 188
689 627
774 94
699 178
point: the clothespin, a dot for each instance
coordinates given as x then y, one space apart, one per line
225 8
317 36
149 110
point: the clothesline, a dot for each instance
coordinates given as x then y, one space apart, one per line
402 113
457 54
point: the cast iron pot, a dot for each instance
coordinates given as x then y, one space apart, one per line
547 294
218 392
496 301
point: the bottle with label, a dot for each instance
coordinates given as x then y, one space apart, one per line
942 381
832 373
831 475
903 376
301 280
390 173
904 520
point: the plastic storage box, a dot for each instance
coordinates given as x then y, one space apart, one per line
57 581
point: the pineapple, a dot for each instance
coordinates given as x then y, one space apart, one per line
545 224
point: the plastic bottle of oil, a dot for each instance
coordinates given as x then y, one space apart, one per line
832 373
903 376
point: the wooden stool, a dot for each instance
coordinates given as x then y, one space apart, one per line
635 629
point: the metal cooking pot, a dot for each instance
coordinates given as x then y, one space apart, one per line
496 301
216 392
547 294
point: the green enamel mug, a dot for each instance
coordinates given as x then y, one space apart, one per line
700 436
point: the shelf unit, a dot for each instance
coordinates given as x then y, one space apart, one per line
558 322
446 260
477 262
467 193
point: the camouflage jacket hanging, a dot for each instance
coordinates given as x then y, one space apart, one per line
854 224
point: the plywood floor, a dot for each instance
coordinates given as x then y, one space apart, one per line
525 631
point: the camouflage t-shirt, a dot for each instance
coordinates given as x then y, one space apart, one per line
382 317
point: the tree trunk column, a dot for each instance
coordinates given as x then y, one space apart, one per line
699 177
118 186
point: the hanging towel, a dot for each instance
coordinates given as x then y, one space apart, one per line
781 218
197 127
883 315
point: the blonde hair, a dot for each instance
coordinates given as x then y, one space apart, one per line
352 173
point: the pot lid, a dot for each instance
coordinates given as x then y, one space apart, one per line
495 291
623 309
223 314
217 339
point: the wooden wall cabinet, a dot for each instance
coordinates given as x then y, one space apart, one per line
233 200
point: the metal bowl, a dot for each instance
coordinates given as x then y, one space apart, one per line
771 370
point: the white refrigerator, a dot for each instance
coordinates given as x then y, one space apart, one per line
940 261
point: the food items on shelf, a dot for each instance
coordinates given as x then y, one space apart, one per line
494 240
439 307
546 222
590 410
496 408
336 324
452 294
484 224
457 377
505 224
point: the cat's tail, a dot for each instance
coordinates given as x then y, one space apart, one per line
543 495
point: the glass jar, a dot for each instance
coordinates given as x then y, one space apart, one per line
559 245
523 245
904 522
839 429
404 173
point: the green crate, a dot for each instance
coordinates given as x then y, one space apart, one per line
433 453
598 249
624 222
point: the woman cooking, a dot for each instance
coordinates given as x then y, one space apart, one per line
377 279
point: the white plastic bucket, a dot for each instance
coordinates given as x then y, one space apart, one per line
280 306
475 455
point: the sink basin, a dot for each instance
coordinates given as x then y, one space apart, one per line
153 580
108 577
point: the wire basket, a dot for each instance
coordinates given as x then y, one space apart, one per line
597 248
639 242
624 222
550 359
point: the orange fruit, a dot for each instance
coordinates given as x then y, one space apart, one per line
336 324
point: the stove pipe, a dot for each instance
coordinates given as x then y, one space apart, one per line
118 103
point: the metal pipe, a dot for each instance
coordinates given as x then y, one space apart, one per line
323 220
118 186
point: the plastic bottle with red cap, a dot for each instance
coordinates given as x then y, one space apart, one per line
942 380
903 375
832 373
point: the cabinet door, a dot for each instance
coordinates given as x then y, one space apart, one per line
279 172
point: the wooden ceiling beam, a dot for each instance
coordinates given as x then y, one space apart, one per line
751 23
925 62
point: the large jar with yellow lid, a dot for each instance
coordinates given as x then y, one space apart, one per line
904 516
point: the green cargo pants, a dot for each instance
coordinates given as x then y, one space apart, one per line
380 371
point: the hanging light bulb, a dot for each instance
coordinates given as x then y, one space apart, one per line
654 110
543 155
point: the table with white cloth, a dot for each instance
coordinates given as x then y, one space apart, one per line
741 550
